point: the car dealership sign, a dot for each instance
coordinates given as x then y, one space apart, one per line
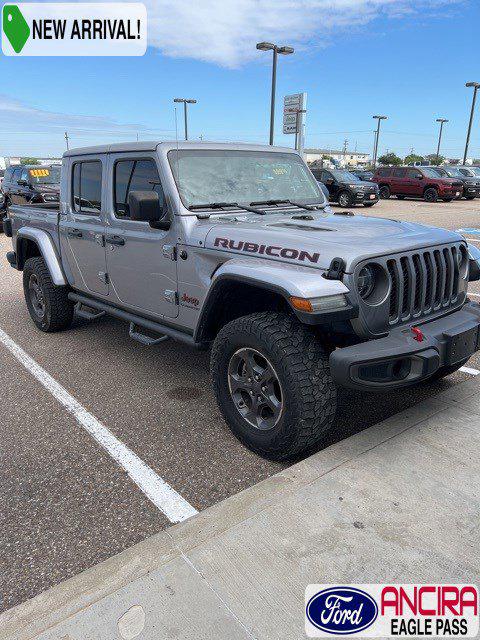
74 29
293 112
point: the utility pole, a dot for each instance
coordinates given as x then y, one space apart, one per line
269 46
375 152
66 140
475 86
441 121
185 102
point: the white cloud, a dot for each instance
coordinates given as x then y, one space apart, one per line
225 32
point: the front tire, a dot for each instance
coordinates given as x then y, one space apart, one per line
48 304
470 197
430 195
385 192
345 199
282 362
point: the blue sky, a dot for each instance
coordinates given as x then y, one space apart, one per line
408 59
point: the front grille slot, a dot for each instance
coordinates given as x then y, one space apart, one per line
422 283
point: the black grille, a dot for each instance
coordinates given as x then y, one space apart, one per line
422 283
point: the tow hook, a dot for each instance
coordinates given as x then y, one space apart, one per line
417 334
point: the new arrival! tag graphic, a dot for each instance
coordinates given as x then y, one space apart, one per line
15 27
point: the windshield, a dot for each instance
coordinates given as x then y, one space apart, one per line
205 176
344 176
45 175
453 172
471 171
430 173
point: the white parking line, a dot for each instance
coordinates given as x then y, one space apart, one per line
153 486
472 372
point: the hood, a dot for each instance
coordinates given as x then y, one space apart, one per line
315 242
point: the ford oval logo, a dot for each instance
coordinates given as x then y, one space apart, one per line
342 610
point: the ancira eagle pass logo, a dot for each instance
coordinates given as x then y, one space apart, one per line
15 27
341 610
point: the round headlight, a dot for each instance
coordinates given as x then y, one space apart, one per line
366 281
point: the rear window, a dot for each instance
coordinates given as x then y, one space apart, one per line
87 187
384 172
8 174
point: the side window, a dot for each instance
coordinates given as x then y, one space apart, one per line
399 173
384 172
87 187
16 174
134 175
413 173
24 175
326 176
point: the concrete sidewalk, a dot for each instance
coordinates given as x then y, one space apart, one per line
398 502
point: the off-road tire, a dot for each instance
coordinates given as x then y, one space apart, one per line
58 309
442 372
345 199
385 192
301 364
430 194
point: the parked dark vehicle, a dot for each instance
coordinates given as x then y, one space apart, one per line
471 184
346 189
324 190
472 172
416 182
363 174
24 184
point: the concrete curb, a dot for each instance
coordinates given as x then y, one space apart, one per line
76 607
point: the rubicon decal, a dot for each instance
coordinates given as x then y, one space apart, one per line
267 250
74 29
392 610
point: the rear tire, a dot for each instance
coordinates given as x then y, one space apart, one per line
345 199
385 192
430 195
48 304
442 372
304 397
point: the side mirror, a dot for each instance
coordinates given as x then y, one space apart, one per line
22 183
144 206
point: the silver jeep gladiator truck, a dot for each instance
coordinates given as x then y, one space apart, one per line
234 247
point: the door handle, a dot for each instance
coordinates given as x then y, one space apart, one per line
117 240
74 233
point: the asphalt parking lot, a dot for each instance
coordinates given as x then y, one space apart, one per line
66 503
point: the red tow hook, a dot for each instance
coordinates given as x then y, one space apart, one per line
417 334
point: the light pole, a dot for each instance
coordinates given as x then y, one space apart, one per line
377 135
66 139
441 121
185 102
284 51
475 86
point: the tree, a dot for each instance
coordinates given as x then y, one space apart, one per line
29 161
390 158
413 157
434 159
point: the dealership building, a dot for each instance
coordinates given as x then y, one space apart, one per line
343 158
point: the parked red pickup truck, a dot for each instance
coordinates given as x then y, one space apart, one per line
416 182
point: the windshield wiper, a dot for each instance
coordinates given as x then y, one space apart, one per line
225 205
308 207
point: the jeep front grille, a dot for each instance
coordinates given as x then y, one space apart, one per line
422 283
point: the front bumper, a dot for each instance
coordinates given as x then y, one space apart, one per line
366 196
400 360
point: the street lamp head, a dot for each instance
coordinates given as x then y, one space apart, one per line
265 46
442 120
178 100
473 84
187 100
380 117
191 101
285 50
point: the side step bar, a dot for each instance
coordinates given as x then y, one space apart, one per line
137 321
87 313
148 341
